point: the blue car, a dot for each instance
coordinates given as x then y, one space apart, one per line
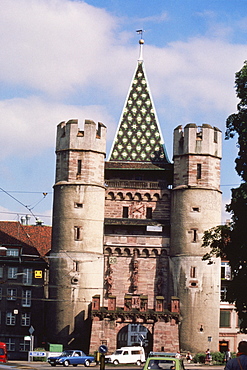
71 357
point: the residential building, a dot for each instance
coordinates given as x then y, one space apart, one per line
23 285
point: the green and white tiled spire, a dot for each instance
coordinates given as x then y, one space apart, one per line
138 137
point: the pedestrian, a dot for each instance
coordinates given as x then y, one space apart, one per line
240 362
208 356
228 355
188 357
178 354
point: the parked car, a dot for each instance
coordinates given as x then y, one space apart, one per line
71 357
163 361
3 352
127 355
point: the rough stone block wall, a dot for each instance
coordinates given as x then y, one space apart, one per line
165 336
185 171
152 278
116 199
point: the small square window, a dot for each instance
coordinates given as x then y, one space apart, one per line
12 271
78 205
10 318
11 294
225 318
25 319
10 342
12 252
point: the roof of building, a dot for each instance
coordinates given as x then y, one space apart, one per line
35 239
138 137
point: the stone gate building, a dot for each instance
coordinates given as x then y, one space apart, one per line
141 279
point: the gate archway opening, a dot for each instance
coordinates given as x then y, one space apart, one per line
135 335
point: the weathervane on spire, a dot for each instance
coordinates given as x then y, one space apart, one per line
141 42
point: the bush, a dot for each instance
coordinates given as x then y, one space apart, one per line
199 358
217 358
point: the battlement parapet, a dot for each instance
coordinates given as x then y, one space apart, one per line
199 140
70 137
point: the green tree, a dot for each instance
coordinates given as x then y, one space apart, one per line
231 241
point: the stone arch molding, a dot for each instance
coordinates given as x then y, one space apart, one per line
137 196
131 251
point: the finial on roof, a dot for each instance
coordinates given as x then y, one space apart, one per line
141 42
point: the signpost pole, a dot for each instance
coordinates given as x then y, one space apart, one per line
31 331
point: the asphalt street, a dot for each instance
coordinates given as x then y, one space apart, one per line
25 365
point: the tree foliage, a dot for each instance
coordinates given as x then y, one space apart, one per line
230 241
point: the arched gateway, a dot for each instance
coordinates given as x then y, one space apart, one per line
135 335
117 327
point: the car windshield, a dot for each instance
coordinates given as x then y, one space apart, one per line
161 364
118 352
67 353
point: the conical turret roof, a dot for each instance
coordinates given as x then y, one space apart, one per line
138 137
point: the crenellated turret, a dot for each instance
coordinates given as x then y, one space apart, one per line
195 208
197 153
76 258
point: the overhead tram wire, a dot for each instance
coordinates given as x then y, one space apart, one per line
18 201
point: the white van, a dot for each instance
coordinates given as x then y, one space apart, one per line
127 355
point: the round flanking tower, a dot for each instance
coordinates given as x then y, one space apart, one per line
196 207
76 259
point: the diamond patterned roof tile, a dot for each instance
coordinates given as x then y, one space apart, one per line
138 137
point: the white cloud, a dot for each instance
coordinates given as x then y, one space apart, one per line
30 123
196 75
57 49
53 45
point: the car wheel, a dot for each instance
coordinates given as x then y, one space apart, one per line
87 363
115 362
138 362
66 363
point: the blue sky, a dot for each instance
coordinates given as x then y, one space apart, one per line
66 59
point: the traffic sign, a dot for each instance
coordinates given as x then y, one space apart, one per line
31 330
103 349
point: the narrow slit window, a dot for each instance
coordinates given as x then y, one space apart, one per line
78 232
125 212
149 213
192 272
194 231
199 171
79 166
215 136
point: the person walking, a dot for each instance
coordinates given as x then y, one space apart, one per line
228 355
208 356
240 362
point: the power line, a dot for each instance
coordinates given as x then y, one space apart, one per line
18 201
